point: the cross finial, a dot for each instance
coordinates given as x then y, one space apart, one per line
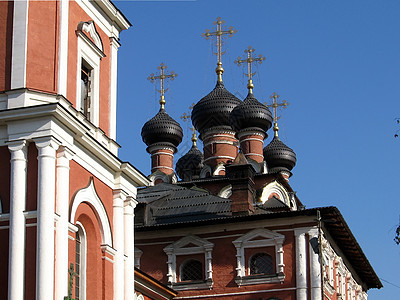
194 137
219 34
249 60
186 117
275 105
162 77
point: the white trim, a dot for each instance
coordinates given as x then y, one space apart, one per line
63 48
114 45
237 294
206 169
220 156
275 188
220 167
83 259
252 240
89 195
92 57
178 248
225 192
90 28
19 44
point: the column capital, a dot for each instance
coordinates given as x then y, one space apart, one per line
47 141
130 201
114 42
65 152
17 145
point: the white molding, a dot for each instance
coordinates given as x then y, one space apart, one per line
252 240
90 196
220 167
83 261
87 52
19 44
275 188
114 45
202 246
63 48
206 169
90 28
225 192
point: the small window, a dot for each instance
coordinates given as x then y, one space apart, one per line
261 263
86 86
192 270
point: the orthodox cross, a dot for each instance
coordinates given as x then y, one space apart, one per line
219 34
249 60
162 77
185 117
275 105
72 274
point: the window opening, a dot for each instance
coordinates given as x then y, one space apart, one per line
192 270
261 263
78 252
86 85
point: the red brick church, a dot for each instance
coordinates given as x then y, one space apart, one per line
230 228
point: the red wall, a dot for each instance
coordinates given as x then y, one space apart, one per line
41 69
154 262
6 15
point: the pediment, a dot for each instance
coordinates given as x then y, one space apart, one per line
189 242
260 235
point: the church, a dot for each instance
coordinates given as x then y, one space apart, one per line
76 222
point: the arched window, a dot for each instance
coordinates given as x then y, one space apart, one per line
192 270
261 263
80 263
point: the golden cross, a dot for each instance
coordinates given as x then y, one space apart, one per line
249 60
220 35
162 77
185 117
275 105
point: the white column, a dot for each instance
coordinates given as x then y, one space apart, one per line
16 262
315 268
113 86
118 244
301 264
45 219
208 257
63 48
129 206
62 204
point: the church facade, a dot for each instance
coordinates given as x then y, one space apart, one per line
232 227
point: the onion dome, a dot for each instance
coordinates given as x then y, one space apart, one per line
214 109
251 113
191 164
278 156
162 129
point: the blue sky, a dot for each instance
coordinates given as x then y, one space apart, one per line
336 62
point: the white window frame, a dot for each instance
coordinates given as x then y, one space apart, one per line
201 246
83 258
259 238
91 52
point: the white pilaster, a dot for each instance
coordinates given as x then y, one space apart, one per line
47 147
118 244
62 203
63 48
301 264
19 46
16 263
113 86
315 269
129 205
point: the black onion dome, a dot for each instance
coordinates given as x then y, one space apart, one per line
214 109
162 129
251 113
279 156
191 162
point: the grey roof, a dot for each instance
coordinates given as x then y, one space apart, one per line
169 203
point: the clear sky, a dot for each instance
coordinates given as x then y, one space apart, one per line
336 62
